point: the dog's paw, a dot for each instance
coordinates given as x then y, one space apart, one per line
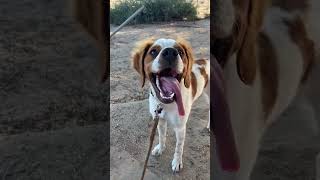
157 151
176 164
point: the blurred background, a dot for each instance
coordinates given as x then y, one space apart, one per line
52 107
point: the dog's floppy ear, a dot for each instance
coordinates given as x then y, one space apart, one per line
189 61
138 56
220 119
91 15
246 56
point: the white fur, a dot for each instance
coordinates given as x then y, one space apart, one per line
170 112
290 60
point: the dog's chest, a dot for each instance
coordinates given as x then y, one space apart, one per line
170 111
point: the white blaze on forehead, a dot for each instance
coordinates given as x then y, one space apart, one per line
164 43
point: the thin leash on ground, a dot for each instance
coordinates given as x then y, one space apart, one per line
153 132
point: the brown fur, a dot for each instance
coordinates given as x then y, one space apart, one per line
203 72
201 61
193 84
149 58
299 36
268 73
140 56
249 19
92 16
205 75
224 47
247 57
187 60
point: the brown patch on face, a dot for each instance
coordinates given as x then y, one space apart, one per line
292 5
149 59
140 58
205 75
187 58
201 62
193 84
268 72
299 36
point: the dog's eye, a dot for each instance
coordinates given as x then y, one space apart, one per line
154 52
180 52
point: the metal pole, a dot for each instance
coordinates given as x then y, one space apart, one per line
127 21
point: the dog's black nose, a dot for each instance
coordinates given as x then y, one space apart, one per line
169 54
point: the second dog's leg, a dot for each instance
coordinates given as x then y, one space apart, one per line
177 159
162 131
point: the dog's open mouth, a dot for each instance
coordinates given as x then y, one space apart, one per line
167 87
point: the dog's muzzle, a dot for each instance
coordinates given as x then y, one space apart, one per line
169 58
166 82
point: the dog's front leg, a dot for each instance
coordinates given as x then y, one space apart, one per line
162 131
177 158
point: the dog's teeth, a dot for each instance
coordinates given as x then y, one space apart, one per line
166 97
157 82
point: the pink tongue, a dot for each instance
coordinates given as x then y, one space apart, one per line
169 85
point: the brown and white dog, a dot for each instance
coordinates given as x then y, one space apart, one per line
176 81
267 50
